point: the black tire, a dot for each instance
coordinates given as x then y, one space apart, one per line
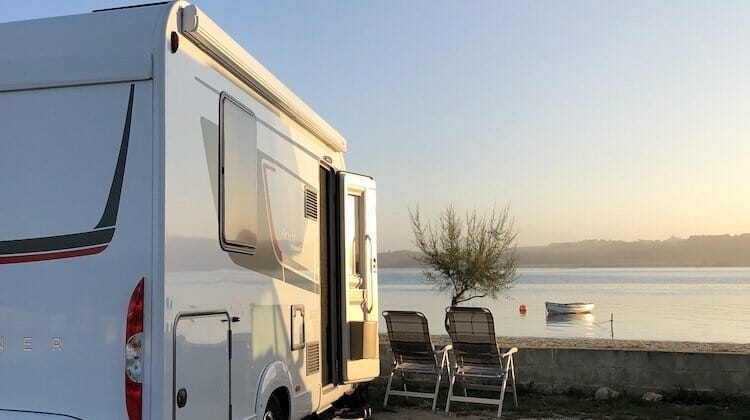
274 411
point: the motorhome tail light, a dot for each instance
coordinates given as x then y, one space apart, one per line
134 354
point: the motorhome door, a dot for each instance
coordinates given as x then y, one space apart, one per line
201 367
359 311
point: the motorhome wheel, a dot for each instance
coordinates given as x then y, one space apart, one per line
273 409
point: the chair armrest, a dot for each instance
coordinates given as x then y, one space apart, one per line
512 351
443 349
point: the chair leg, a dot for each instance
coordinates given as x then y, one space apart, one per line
444 364
403 383
508 367
450 392
437 389
513 377
502 396
388 389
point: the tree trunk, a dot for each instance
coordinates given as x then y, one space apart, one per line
454 301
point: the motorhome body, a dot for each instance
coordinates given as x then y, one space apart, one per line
179 237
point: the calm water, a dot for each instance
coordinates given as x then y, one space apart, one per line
710 305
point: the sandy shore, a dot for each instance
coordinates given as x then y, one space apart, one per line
606 343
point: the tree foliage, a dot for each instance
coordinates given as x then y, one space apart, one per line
470 257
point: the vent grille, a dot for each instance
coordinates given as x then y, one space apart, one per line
313 358
311 204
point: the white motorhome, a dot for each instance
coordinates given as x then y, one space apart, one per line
179 238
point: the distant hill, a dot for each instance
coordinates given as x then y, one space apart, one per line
695 251
398 259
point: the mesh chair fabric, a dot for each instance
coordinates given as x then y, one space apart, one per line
472 332
409 337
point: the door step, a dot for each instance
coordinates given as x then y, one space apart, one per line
362 413
358 414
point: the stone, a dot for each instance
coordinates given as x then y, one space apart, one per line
605 393
652 397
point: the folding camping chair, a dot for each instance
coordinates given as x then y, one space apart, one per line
413 352
472 333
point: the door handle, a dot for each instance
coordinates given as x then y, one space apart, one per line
181 397
368 304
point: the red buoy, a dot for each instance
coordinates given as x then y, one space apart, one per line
522 309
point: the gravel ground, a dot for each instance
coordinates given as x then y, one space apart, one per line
583 409
411 414
414 414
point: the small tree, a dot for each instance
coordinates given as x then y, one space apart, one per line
467 258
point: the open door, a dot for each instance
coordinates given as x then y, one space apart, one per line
359 281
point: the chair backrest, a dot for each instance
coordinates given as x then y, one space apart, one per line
410 337
472 333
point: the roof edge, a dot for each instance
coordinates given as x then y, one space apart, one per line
210 38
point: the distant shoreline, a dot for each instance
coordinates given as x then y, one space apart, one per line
716 251
627 266
572 267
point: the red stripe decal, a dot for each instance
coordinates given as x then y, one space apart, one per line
15 259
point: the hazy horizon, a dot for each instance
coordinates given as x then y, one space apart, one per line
673 237
590 119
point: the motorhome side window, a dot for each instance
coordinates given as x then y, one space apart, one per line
239 172
353 235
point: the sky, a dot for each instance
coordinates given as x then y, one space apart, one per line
589 119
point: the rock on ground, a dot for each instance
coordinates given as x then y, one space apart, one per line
652 397
605 393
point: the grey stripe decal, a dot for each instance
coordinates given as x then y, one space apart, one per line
295 279
104 231
287 170
56 243
262 122
109 218
6 410
289 139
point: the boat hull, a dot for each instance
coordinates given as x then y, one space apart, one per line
569 308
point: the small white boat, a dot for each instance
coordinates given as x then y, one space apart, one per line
569 308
